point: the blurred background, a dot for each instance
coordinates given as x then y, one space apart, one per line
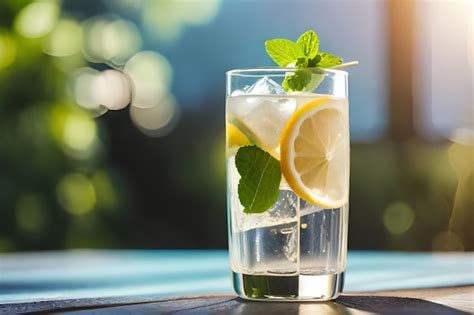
85 165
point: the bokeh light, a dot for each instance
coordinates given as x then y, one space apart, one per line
65 39
7 49
112 89
75 131
151 76
197 12
76 193
37 19
110 39
447 241
85 92
99 91
156 121
166 19
79 132
398 217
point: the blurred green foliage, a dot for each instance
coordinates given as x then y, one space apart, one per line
403 196
55 190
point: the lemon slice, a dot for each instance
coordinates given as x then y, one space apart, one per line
315 152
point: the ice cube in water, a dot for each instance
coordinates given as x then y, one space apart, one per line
265 86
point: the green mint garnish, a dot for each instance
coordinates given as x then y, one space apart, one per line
309 44
328 60
260 177
297 81
302 80
303 54
283 51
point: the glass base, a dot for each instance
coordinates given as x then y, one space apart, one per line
288 288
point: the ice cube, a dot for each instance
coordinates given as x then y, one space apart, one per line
240 106
265 86
284 211
266 117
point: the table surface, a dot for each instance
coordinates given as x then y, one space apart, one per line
68 280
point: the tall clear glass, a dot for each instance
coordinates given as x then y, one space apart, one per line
296 250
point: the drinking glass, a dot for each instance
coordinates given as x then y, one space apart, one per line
296 249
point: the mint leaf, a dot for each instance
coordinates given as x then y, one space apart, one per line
300 63
309 43
328 60
283 51
313 62
302 80
297 81
260 177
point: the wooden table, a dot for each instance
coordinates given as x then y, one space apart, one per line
198 282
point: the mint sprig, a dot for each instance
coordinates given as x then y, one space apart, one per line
303 54
260 177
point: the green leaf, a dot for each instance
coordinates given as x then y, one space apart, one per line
260 177
300 63
283 51
313 62
297 81
302 80
328 60
309 43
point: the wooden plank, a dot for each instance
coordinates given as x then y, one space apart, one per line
228 304
461 298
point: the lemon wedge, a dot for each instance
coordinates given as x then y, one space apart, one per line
235 137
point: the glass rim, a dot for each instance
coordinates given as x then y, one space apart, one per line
280 71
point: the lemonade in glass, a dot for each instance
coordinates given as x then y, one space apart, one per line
291 245
287 157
